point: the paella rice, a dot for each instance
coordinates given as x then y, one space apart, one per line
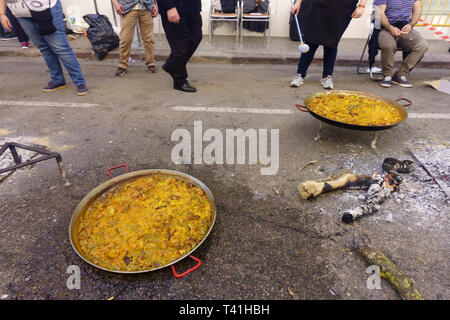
144 224
354 109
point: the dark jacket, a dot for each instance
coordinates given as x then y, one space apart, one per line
184 7
250 5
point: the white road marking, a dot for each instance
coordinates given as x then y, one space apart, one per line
233 110
47 104
429 115
288 112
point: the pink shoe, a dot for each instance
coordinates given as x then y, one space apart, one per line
25 45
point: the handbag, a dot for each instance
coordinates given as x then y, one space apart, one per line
43 19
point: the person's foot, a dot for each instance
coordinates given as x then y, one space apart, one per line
151 69
297 81
25 45
185 87
386 82
51 87
120 71
82 90
327 83
8 36
401 81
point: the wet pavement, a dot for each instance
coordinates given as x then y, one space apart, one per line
267 242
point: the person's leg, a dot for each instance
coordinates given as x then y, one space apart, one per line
128 25
387 44
178 37
329 60
306 59
195 34
416 46
50 58
61 47
21 34
146 27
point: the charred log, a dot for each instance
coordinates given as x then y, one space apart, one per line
313 188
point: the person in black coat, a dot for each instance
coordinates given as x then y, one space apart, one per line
182 24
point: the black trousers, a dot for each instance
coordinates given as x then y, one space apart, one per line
21 35
183 38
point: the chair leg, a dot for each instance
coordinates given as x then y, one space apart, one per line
210 30
362 56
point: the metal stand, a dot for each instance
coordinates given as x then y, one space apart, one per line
318 137
373 144
46 156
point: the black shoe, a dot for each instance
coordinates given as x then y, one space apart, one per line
185 87
120 72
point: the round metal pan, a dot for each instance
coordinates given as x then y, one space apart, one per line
395 104
108 185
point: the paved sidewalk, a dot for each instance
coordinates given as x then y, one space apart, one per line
224 49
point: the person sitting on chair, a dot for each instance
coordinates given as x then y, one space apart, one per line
398 18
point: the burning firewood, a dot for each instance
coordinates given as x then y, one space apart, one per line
389 270
377 193
379 187
311 189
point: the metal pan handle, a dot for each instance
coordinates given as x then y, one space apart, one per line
119 166
301 108
409 102
189 271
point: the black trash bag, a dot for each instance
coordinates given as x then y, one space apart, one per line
101 34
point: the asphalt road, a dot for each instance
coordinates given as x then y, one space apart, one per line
267 242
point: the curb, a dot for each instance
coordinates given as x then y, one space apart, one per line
202 57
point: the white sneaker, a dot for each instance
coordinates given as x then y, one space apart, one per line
327 83
297 81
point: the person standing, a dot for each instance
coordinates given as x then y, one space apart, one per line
323 22
42 20
182 23
398 18
21 34
132 11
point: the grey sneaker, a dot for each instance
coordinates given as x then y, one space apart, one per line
401 81
297 81
327 83
387 82
152 69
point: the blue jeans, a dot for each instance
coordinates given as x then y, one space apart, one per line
55 48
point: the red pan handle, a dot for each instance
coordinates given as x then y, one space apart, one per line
409 102
189 271
301 108
119 166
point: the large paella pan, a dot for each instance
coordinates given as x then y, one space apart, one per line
143 221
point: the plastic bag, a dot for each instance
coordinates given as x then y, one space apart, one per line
75 20
101 34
